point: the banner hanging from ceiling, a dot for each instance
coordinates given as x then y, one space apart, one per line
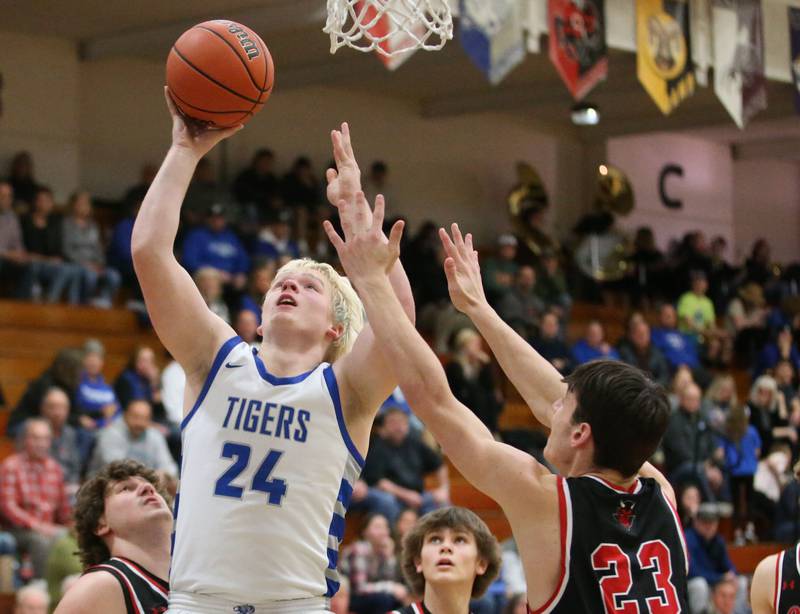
739 79
794 45
492 36
578 43
663 51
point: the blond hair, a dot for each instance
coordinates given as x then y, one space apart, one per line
725 379
346 307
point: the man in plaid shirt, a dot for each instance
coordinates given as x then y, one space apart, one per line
34 503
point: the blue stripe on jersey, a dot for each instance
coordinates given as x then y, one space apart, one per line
275 380
337 527
333 558
345 494
218 360
175 520
333 587
333 389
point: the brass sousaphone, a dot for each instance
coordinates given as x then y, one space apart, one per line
525 198
602 254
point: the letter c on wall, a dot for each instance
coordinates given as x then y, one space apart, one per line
669 169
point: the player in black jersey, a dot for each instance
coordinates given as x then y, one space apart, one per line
604 537
448 558
123 523
776 583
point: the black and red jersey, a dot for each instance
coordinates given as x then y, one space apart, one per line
622 550
787 581
144 592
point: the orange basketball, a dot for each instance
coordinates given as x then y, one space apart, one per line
220 72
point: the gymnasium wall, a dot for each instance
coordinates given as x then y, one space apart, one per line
766 204
40 107
449 169
705 190
95 123
741 200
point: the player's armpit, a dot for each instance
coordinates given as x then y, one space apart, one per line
762 591
94 592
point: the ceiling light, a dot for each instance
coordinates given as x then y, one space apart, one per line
585 114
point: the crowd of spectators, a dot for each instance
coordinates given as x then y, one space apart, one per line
699 324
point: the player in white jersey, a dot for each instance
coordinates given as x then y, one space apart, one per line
273 439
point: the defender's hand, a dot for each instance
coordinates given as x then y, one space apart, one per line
344 183
366 254
463 271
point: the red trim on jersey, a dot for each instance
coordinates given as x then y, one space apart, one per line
630 490
562 516
778 573
797 558
126 583
156 583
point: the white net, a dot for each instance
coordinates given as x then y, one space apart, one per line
390 27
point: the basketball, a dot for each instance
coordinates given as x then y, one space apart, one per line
220 72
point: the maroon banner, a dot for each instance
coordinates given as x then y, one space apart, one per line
578 43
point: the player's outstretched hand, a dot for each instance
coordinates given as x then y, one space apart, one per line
365 253
344 182
193 136
463 271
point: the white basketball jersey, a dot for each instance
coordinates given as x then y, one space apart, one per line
266 477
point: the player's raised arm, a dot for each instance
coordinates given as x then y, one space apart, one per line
539 382
185 325
344 192
493 467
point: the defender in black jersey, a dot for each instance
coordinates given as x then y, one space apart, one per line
624 545
602 539
123 524
776 583
144 593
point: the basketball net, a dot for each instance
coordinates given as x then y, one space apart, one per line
389 27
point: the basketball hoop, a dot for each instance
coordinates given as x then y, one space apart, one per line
390 27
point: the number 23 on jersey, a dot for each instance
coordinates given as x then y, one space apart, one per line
652 557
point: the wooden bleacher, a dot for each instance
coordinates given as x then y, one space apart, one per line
31 334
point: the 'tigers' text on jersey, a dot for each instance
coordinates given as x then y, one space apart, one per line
265 418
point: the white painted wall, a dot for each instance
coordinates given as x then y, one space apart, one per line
741 200
766 204
706 187
40 107
456 168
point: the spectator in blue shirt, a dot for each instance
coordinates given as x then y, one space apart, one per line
217 246
593 345
678 347
742 447
258 284
118 254
709 562
141 379
96 401
781 348
275 239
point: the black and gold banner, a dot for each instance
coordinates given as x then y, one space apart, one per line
663 51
